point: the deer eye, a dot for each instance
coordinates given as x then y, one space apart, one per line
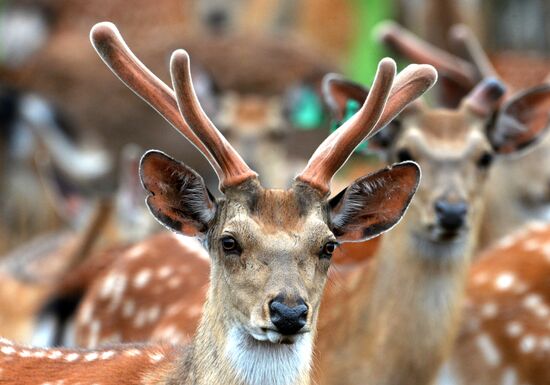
230 245
404 155
328 249
485 160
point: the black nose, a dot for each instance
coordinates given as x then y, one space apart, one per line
217 19
288 320
451 216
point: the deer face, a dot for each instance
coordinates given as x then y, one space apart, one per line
455 149
455 156
271 249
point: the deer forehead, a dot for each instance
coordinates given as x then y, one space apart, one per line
447 140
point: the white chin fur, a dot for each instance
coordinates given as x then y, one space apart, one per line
258 361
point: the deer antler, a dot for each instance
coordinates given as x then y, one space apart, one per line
485 98
420 51
463 35
194 124
371 118
112 49
234 169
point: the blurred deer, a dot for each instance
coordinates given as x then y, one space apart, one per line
270 249
35 133
519 189
504 334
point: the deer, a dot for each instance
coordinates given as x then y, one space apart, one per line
448 210
518 189
269 249
504 333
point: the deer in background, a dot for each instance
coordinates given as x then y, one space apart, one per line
519 189
504 338
270 249
409 304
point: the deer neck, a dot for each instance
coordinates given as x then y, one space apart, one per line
409 310
224 353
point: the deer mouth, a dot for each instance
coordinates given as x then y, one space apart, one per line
269 335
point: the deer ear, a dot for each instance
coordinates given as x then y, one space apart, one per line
344 97
340 95
522 121
374 203
177 198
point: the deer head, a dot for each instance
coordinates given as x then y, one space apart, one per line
270 249
519 188
455 148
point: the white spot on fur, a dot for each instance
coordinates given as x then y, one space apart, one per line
39 354
142 278
507 241
489 310
153 314
509 377
106 355
140 319
128 308
488 349
71 357
165 271
531 245
55 354
480 278
25 354
527 344
132 353
174 282
504 281
155 357
514 329
136 252
4 341
264 363
91 356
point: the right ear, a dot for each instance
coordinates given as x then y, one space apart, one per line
374 203
337 94
178 197
522 121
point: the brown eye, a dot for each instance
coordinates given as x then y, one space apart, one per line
328 249
230 245
485 160
404 155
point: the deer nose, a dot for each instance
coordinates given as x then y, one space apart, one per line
288 320
451 216
217 19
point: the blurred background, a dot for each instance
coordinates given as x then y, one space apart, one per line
71 133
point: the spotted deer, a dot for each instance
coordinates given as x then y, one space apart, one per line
269 249
408 302
519 189
431 249
505 334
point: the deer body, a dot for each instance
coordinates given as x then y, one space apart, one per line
504 335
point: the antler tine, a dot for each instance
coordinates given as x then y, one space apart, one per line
234 170
417 50
336 149
485 98
409 84
464 36
112 49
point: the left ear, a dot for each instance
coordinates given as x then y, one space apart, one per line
522 121
374 203
338 91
